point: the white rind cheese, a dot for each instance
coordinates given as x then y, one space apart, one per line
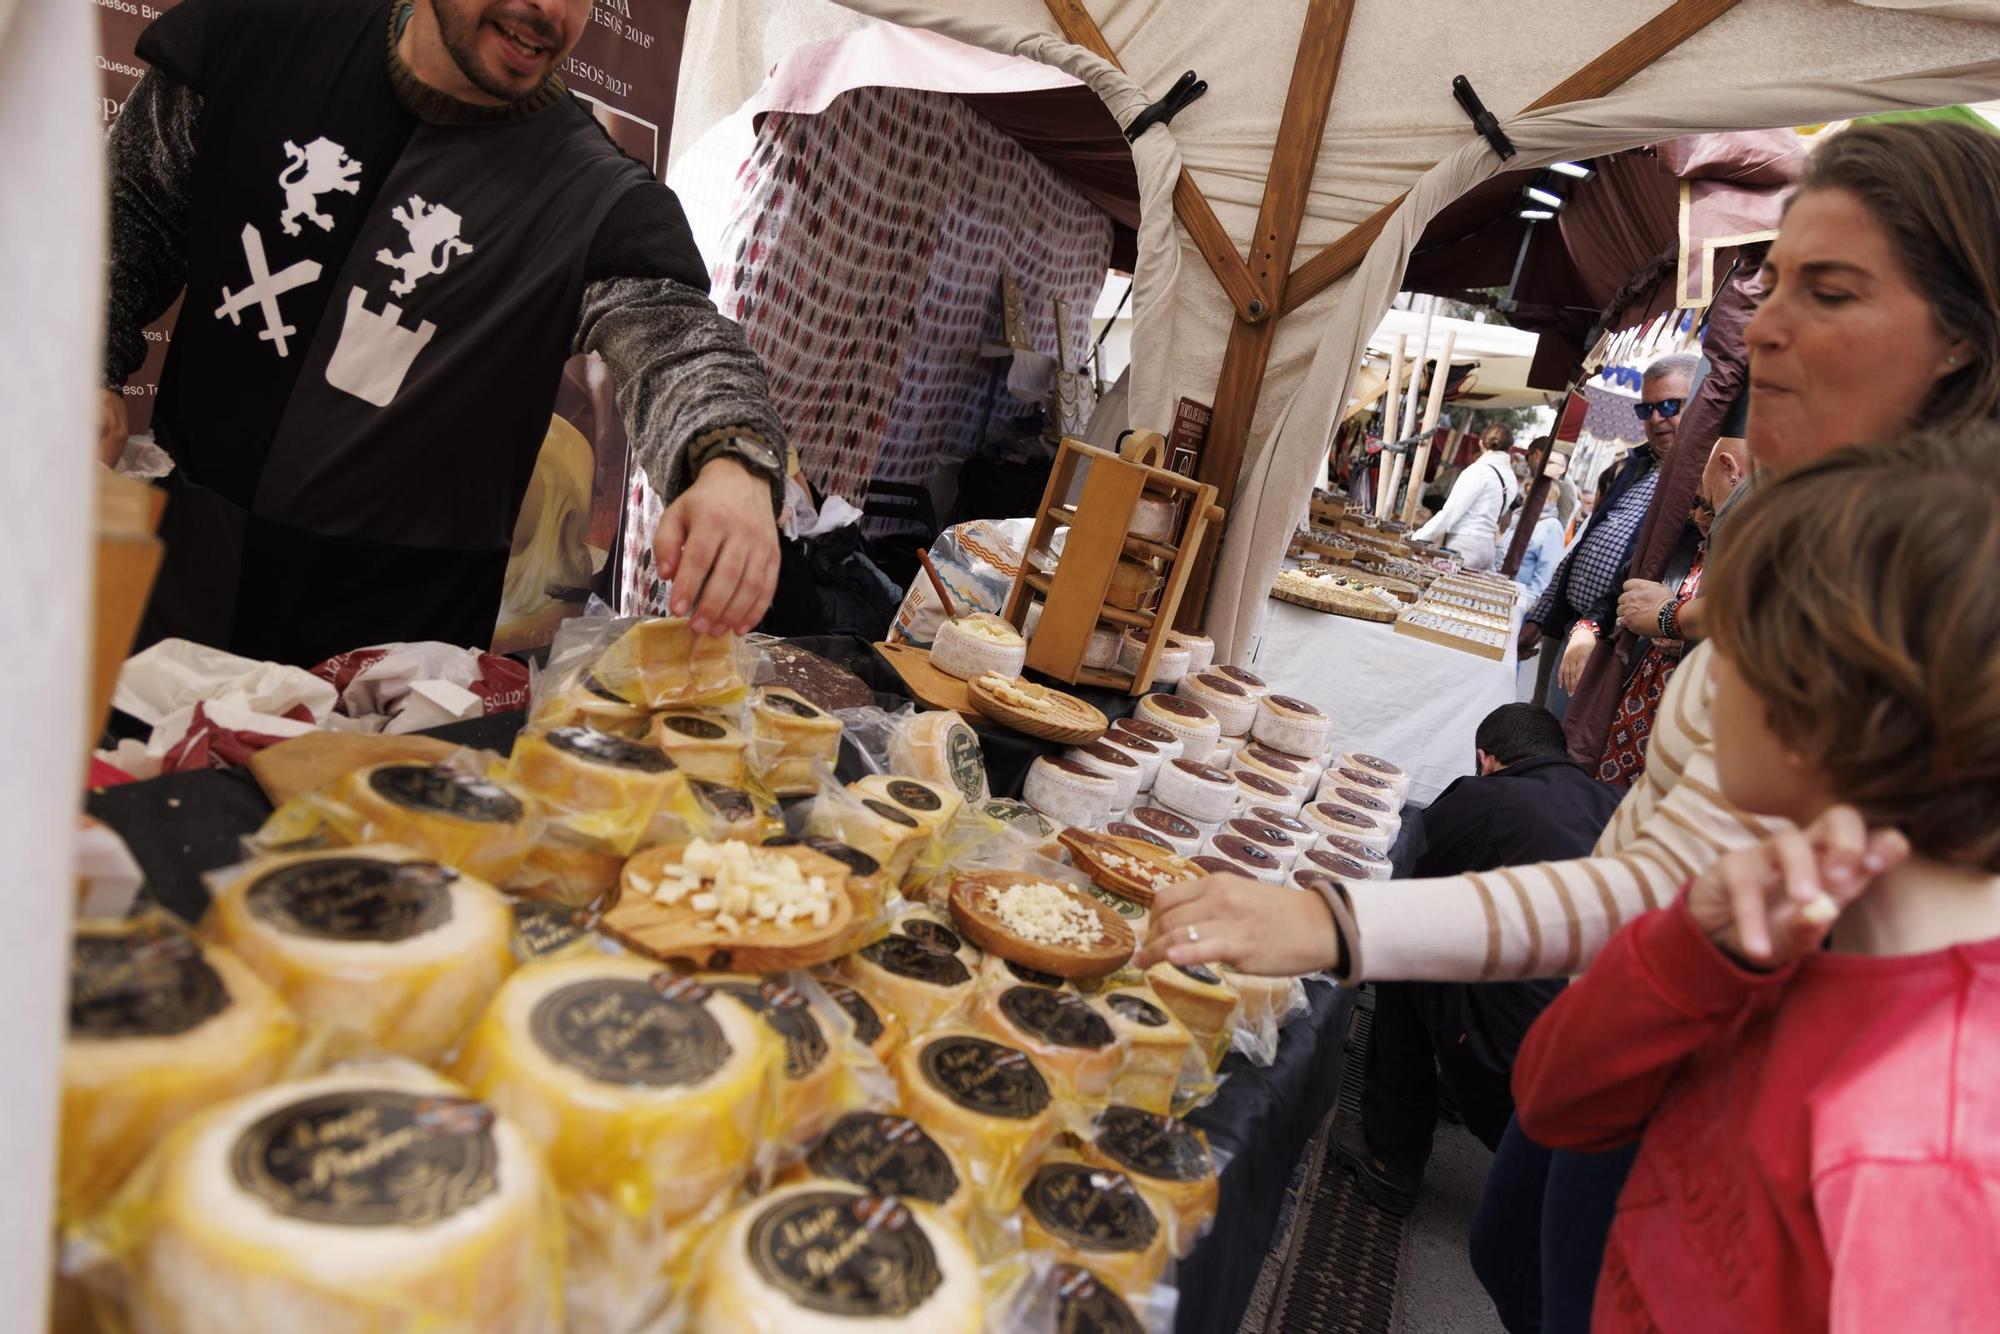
974 645
1069 794
1292 725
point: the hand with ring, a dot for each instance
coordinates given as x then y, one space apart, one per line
1234 920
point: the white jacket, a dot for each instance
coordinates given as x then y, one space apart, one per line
1469 523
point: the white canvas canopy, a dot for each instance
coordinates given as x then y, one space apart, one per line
1392 126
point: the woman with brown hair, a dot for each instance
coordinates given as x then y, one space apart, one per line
1882 313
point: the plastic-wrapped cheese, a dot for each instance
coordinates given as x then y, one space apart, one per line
367 1199
974 645
1202 999
1167 1159
645 1089
472 823
940 747
824 1258
704 746
883 830
374 941
663 664
1095 1216
932 805
616 783
920 983
588 703
1027 822
1156 1046
875 1026
982 1099
794 738
893 1155
160 1027
812 1068
1071 1043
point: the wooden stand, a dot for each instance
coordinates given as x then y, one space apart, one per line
1100 527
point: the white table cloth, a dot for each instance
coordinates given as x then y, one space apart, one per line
1410 701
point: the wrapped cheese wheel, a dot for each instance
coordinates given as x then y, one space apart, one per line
1345 859
1291 725
940 747
1200 998
1260 789
1255 860
614 784
475 824
1295 773
1141 751
1196 727
875 1027
663 664
1249 680
1130 913
971 646
1156 1046
160 1027
1122 769
729 814
1169 744
1381 768
1201 650
646 1091
1178 831
1072 1044
1100 651
1167 1159
933 805
933 929
893 1155
1233 706
373 941
793 739
997 974
1303 835
813 1071
1084 1301
1361 780
1097 1216
984 1100
1124 829
867 884
371 1198
1153 519
884 831
588 703
918 982
1383 809
1196 791
821 1257
704 747
1069 794
1338 821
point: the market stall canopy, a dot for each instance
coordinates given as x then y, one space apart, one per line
1391 127
1489 360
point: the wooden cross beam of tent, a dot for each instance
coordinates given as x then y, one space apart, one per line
1265 287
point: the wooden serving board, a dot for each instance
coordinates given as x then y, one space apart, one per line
1087 851
928 686
983 928
677 932
305 763
1067 719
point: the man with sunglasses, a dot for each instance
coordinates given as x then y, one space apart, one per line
1582 600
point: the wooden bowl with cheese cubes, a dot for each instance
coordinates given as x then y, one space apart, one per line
1127 866
1040 924
1036 710
732 907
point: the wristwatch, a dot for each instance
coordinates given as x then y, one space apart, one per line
735 442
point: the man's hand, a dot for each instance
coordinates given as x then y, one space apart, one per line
1531 638
112 427
719 545
1775 902
1233 920
1639 606
1576 656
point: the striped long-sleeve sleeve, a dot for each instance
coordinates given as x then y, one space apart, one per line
1551 919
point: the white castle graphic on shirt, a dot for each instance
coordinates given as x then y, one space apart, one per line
434 240
375 352
321 166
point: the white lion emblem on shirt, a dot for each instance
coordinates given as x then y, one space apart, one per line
434 240
320 166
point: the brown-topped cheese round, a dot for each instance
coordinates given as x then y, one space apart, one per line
1380 766
1070 766
1240 849
1217 865
1363 801
1207 773
1181 705
1292 705
1277 819
1341 815
1129 741
1336 865
1165 822
1261 783
1241 677
1257 831
1145 731
1362 779
1097 750
1278 760
1360 852
1122 829
1221 684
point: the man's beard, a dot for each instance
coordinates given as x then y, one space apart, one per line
460 35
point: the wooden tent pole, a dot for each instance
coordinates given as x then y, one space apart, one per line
1389 465
1440 373
1639 48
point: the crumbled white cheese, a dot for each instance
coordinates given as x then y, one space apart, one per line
734 884
1045 914
1021 694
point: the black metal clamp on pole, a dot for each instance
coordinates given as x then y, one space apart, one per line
1186 89
1483 120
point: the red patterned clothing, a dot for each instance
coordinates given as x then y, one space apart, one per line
1820 1146
1624 757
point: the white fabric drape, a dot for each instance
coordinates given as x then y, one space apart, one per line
1392 126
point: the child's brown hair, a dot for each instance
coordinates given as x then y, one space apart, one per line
1859 597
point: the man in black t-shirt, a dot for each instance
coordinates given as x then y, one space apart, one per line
392 225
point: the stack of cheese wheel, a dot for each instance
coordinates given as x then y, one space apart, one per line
1204 795
1249 680
1068 793
879 828
1233 706
893 1155
1194 725
663 664
814 1072
938 746
1167 1159
1084 1214
793 739
472 823
1169 667
984 1100
705 747
918 982
1339 775
588 703
1398 780
1126 829
1291 725
1168 744
1344 859
971 646
932 805
1156 1045
1201 650
824 1257
1303 835
874 1026
1251 858
1086 1301
646 1091
371 1198
1200 998
1071 1043
373 941
1381 806
1124 770
159 1028
1260 789
1298 775
586 772
1179 833
1278 842
1334 820
1141 751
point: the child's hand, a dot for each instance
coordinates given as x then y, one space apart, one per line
1770 904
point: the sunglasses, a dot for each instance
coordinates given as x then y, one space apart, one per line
1666 407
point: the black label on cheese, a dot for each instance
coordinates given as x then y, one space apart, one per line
890 813
798 708
855 1256
1059 1018
966 763
1152 1146
701 729
590 744
986 1077
1199 973
543 928
354 899
914 796
621 1030
441 791
790 1016
727 803
911 958
867 1023
140 985
1138 1010
854 859
1086 1306
370 1158
935 934
602 691
1034 977
1090 1208
886 1155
